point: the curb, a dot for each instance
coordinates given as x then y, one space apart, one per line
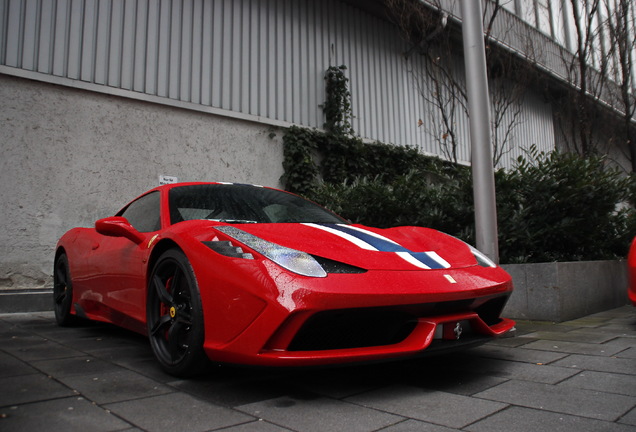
26 300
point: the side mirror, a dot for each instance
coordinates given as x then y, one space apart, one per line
118 226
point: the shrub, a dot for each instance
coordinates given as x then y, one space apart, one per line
561 207
410 199
551 206
300 170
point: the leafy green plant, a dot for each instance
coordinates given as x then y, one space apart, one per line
558 206
300 170
337 107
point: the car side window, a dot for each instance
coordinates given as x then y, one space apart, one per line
143 214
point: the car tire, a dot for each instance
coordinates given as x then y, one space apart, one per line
63 292
175 316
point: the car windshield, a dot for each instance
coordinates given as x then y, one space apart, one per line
234 203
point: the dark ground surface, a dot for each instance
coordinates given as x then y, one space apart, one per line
573 376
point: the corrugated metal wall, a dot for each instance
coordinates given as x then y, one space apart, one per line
265 59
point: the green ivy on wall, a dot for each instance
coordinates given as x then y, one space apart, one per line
337 107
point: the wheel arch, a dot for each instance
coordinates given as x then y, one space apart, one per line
59 251
162 246
195 358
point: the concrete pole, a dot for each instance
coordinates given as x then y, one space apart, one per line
479 112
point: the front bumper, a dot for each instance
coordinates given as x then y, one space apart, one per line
372 317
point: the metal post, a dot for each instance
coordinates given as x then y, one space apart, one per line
479 112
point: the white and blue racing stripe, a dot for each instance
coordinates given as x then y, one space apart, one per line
333 229
372 241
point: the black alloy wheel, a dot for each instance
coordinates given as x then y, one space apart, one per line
175 316
63 292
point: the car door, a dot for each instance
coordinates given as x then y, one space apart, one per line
120 263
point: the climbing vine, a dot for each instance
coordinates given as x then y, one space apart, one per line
343 156
337 106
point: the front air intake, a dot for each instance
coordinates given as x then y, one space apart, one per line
353 328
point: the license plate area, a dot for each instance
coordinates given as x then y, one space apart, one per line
452 330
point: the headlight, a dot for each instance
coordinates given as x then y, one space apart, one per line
481 258
291 259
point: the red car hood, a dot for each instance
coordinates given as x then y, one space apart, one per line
402 248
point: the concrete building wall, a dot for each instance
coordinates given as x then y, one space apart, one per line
70 157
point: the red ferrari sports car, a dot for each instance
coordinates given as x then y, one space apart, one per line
253 275
631 272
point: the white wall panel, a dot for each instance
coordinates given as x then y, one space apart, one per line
88 41
100 52
140 57
4 17
45 54
152 49
115 43
31 30
13 23
61 37
74 57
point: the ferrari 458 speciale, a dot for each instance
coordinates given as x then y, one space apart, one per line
631 273
254 275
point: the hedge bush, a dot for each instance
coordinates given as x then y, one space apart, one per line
551 206
561 207
410 199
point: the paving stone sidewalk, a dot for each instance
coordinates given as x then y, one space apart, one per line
574 376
